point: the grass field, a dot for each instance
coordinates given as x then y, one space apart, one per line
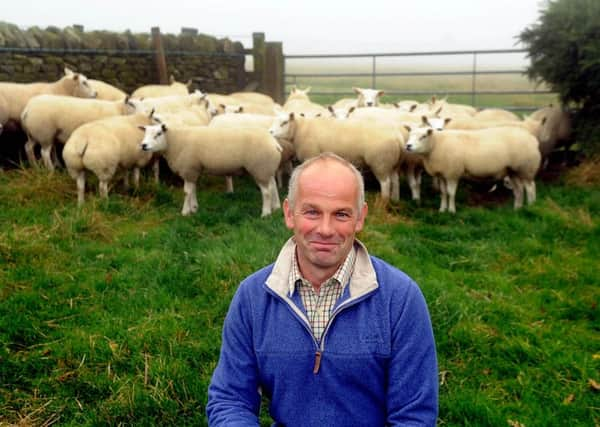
111 314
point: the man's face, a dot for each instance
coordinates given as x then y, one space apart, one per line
325 217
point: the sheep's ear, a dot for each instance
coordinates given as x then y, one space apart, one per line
357 90
380 93
126 100
396 105
330 108
413 107
429 131
68 71
189 84
222 106
432 100
437 113
351 110
318 115
407 127
142 128
447 120
241 109
424 120
152 113
301 114
544 120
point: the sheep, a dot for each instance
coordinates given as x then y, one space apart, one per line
254 98
298 102
106 91
105 147
3 112
157 91
170 104
555 132
446 109
190 150
263 122
340 113
47 118
496 114
374 145
471 123
486 153
18 94
367 97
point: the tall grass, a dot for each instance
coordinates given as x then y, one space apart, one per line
111 314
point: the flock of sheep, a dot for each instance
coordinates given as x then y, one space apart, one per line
109 133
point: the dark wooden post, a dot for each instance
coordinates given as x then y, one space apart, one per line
258 56
159 57
274 71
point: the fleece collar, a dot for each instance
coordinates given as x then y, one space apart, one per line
363 278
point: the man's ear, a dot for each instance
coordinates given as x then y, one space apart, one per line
288 214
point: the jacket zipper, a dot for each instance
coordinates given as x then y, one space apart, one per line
319 346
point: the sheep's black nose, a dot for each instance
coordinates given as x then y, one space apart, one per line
408 147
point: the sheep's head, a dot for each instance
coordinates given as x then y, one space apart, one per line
155 138
283 126
368 97
79 84
437 123
340 113
419 139
297 93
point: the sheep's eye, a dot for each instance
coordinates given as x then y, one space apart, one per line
284 123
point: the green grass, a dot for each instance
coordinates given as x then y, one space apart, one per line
111 314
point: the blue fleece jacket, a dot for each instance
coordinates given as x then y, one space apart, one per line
375 366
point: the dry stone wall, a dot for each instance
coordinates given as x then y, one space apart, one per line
125 60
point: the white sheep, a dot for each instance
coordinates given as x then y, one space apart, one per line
106 147
487 153
262 122
340 113
169 104
367 97
376 146
496 114
3 112
254 98
17 95
192 150
156 91
107 91
50 118
298 102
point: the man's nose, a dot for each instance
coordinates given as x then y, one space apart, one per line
326 226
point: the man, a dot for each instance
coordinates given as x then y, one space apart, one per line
333 336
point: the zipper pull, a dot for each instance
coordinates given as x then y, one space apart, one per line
317 362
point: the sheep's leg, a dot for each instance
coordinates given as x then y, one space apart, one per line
29 150
275 202
193 197
136 177
385 184
265 190
47 157
443 194
187 209
279 177
54 157
103 188
451 192
80 180
418 177
229 184
126 180
530 188
517 187
413 183
395 184
156 169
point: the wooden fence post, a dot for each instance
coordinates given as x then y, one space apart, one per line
274 85
159 56
258 56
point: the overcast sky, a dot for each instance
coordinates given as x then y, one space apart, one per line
304 27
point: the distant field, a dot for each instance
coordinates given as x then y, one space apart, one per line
440 85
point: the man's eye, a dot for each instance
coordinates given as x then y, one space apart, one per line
311 212
343 215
